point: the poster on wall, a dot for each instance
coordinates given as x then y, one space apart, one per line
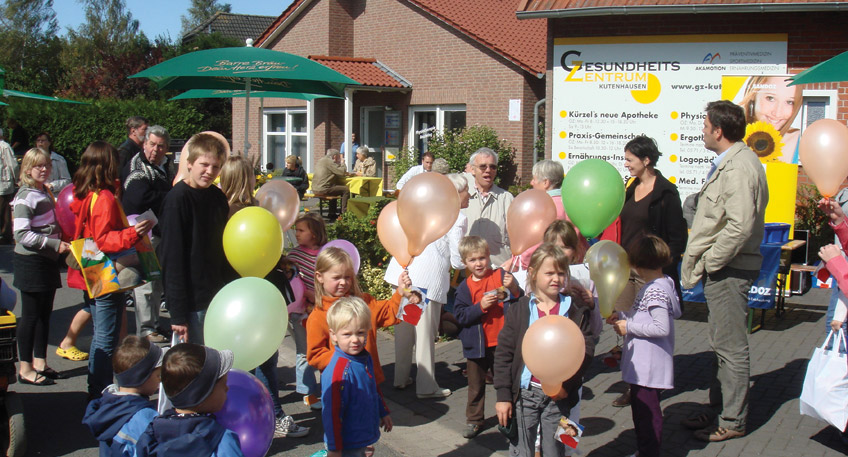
607 90
771 111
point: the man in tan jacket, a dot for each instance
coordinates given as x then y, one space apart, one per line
724 252
329 180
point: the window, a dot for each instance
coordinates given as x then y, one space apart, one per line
817 104
424 120
285 134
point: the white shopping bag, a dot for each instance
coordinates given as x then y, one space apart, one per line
825 392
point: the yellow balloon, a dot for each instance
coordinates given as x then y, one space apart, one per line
609 269
253 241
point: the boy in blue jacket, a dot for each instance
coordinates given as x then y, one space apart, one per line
195 380
480 305
353 409
120 416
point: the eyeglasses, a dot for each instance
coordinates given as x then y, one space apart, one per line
42 166
487 166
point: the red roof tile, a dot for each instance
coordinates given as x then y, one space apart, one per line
529 6
492 23
367 72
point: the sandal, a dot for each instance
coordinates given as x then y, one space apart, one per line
44 381
72 353
51 373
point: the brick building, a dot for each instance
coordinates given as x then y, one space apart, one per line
422 65
811 31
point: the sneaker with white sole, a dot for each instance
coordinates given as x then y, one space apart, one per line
439 393
286 428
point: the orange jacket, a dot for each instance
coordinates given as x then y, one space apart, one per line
319 349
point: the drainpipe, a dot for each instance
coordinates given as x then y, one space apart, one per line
536 127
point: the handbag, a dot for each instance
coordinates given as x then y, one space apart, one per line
825 392
100 271
511 429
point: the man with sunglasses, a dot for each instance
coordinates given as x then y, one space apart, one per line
488 205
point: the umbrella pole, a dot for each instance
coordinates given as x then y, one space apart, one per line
246 118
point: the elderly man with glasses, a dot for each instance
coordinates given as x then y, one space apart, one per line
488 205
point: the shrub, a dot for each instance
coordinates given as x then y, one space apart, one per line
73 127
457 145
809 217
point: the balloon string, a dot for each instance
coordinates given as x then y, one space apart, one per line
512 264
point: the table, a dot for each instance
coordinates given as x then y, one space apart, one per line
768 290
365 186
359 206
359 185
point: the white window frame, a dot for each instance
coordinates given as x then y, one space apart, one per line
830 97
288 134
440 117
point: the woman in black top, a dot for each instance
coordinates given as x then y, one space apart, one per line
294 170
651 206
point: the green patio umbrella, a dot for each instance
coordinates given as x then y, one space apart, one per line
831 70
247 68
227 93
16 93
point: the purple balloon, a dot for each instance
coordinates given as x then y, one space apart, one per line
64 216
298 289
348 247
248 412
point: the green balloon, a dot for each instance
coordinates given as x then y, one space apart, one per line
247 316
592 196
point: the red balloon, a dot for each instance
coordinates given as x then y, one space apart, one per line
64 216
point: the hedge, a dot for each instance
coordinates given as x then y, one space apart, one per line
73 127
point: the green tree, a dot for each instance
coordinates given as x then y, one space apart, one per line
200 11
108 29
29 46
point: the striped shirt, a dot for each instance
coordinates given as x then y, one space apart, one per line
304 258
34 222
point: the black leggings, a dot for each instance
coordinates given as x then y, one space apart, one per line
34 324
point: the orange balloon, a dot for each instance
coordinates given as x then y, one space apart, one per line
391 234
182 173
281 199
552 390
553 335
427 209
527 218
824 154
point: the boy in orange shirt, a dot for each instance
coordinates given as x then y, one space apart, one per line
481 302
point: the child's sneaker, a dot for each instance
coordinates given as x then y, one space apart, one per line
286 428
313 402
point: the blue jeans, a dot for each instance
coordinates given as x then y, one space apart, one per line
267 374
106 317
304 373
195 326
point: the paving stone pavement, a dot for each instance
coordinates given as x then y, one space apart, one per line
779 355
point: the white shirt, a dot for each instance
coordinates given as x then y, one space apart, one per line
411 173
431 269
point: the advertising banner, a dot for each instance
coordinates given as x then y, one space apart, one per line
607 90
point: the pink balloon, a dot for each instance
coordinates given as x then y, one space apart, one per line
553 335
348 247
527 218
281 199
299 291
64 216
182 173
824 154
427 209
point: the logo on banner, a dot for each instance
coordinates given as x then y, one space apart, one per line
638 77
710 57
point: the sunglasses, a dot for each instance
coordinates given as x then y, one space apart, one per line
487 166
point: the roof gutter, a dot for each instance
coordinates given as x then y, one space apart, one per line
685 9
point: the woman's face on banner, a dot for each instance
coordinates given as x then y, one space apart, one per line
775 105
